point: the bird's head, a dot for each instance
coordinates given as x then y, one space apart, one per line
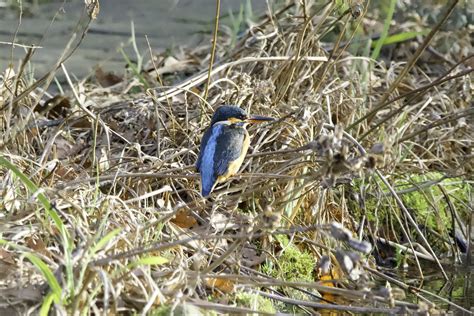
235 115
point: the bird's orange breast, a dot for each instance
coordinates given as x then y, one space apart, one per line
235 165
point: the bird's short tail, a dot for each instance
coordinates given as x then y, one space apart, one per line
207 185
205 191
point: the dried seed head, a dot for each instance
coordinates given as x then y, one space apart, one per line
362 246
270 219
338 232
378 149
356 10
349 262
324 265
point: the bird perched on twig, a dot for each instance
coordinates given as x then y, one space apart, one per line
224 146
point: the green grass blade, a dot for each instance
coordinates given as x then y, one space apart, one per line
33 188
250 16
134 68
101 243
149 261
401 37
386 27
135 47
45 307
48 275
26 181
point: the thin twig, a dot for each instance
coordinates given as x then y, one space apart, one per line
213 48
162 245
347 308
415 290
409 65
200 78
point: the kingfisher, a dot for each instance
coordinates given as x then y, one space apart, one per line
224 145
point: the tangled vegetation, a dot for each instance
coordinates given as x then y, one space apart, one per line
368 166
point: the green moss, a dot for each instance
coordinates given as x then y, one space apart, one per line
161 311
255 302
428 205
424 198
293 264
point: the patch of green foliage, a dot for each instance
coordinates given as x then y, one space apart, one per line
342 6
293 264
161 311
137 65
255 302
238 23
428 204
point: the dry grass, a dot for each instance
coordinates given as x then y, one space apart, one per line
123 227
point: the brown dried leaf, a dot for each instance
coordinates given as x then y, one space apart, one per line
172 65
7 256
82 122
184 220
106 79
56 107
38 245
224 285
65 173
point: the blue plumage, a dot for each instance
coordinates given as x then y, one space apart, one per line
224 146
229 147
205 164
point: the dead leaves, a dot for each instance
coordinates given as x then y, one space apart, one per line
184 220
38 246
106 79
7 257
224 285
55 108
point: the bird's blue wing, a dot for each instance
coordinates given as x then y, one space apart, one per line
206 160
228 148
204 141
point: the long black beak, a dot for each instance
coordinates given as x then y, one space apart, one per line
256 119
